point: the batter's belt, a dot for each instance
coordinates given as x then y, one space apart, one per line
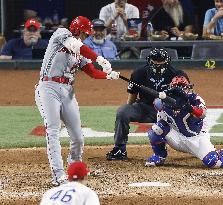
61 79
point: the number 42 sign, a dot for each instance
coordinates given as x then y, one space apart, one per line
210 64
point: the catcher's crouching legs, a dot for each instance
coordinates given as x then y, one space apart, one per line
214 159
157 139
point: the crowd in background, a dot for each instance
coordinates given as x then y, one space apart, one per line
121 20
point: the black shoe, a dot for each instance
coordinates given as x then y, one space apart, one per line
116 154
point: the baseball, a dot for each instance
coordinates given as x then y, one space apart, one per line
162 95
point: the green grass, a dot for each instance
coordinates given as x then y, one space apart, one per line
17 122
218 128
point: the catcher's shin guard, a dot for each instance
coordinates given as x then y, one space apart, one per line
214 159
157 138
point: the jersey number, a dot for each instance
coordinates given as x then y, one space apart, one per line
60 195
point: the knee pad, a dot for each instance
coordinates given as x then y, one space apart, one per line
158 132
161 128
214 159
154 138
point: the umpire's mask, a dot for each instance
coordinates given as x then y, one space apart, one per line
158 60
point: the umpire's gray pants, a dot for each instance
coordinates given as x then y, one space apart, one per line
136 112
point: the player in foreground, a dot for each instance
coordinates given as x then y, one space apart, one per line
183 127
75 191
54 94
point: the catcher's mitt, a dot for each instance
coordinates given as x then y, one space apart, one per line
181 97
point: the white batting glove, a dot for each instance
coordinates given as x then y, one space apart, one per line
113 75
105 64
162 95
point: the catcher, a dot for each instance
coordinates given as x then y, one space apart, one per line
182 126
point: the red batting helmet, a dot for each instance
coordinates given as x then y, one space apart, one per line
81 23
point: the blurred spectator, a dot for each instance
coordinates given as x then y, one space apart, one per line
50 12
213 22
98 43
189 8
145 8
145 4
171 19
21 48
201 6
2 42
115 16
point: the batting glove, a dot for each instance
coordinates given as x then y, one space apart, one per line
113 75
105 64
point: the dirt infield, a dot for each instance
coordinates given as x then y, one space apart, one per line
25 174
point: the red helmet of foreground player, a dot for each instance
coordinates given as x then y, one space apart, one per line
81 23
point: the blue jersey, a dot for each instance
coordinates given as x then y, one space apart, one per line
108 49
184 122
19 50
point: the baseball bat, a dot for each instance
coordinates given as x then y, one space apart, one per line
149 91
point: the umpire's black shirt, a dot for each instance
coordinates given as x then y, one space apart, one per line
145 76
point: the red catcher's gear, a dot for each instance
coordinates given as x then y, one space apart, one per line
81 23
197 111
179 81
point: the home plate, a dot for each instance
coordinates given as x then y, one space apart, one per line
157 184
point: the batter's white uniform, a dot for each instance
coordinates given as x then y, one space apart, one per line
56 101
72 193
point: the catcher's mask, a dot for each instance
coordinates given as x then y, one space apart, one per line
181 82
158 60
79 24
179 89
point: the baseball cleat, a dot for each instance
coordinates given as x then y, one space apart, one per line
155 160
61 180
116 154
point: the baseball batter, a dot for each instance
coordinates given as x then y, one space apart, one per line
54 94
74 192
183 127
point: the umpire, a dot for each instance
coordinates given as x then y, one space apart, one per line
156 74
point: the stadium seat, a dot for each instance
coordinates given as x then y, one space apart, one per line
171 52
207 52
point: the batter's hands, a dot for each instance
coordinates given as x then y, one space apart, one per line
113 75
105 64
